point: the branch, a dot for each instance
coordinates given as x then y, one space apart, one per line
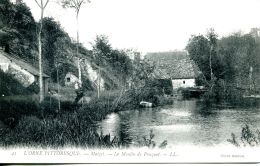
38 3
46 4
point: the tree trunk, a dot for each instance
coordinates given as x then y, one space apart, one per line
77 49
58 87
98 87
40 57
210 63
212 82
251 79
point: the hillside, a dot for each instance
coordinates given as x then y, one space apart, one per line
18 38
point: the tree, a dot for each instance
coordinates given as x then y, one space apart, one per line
102 51
199 49
212 37
240 54
203 51
51 33
42 5
76 4
115 59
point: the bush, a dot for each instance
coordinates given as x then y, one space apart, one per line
248 138
98 108
148 141
11 110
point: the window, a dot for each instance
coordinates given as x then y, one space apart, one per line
183 82
68 79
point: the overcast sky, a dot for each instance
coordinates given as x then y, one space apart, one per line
154 25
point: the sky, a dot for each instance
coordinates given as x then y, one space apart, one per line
153 25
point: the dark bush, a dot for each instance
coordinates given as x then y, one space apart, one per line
248 137
11 111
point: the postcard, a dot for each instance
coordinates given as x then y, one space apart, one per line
129 81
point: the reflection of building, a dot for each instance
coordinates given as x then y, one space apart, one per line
25 73
174 66
70 79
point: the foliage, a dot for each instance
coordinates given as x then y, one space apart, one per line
73 130
75 4
13 108
18 23
52 32
248 138
117 60
141 74
239 53
200 48
150 143
232 59
66 130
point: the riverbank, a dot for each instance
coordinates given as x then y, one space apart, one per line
75 125
29 124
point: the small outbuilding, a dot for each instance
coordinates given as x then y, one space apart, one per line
70 79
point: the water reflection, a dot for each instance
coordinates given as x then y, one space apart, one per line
183 123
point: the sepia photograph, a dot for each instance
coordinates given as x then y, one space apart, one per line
130 81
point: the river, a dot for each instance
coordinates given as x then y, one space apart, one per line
184 123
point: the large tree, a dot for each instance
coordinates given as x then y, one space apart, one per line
203 51
42 5
76 5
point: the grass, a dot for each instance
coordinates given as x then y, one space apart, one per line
40 125
71 130
66 130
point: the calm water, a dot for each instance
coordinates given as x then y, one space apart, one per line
183 123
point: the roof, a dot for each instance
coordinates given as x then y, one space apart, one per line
70 74
24 65
172 65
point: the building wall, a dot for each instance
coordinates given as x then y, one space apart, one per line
183 83
23 76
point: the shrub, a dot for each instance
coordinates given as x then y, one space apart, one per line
11 110
248 138
150 143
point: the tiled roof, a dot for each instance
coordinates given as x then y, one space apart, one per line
24 65
172 65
